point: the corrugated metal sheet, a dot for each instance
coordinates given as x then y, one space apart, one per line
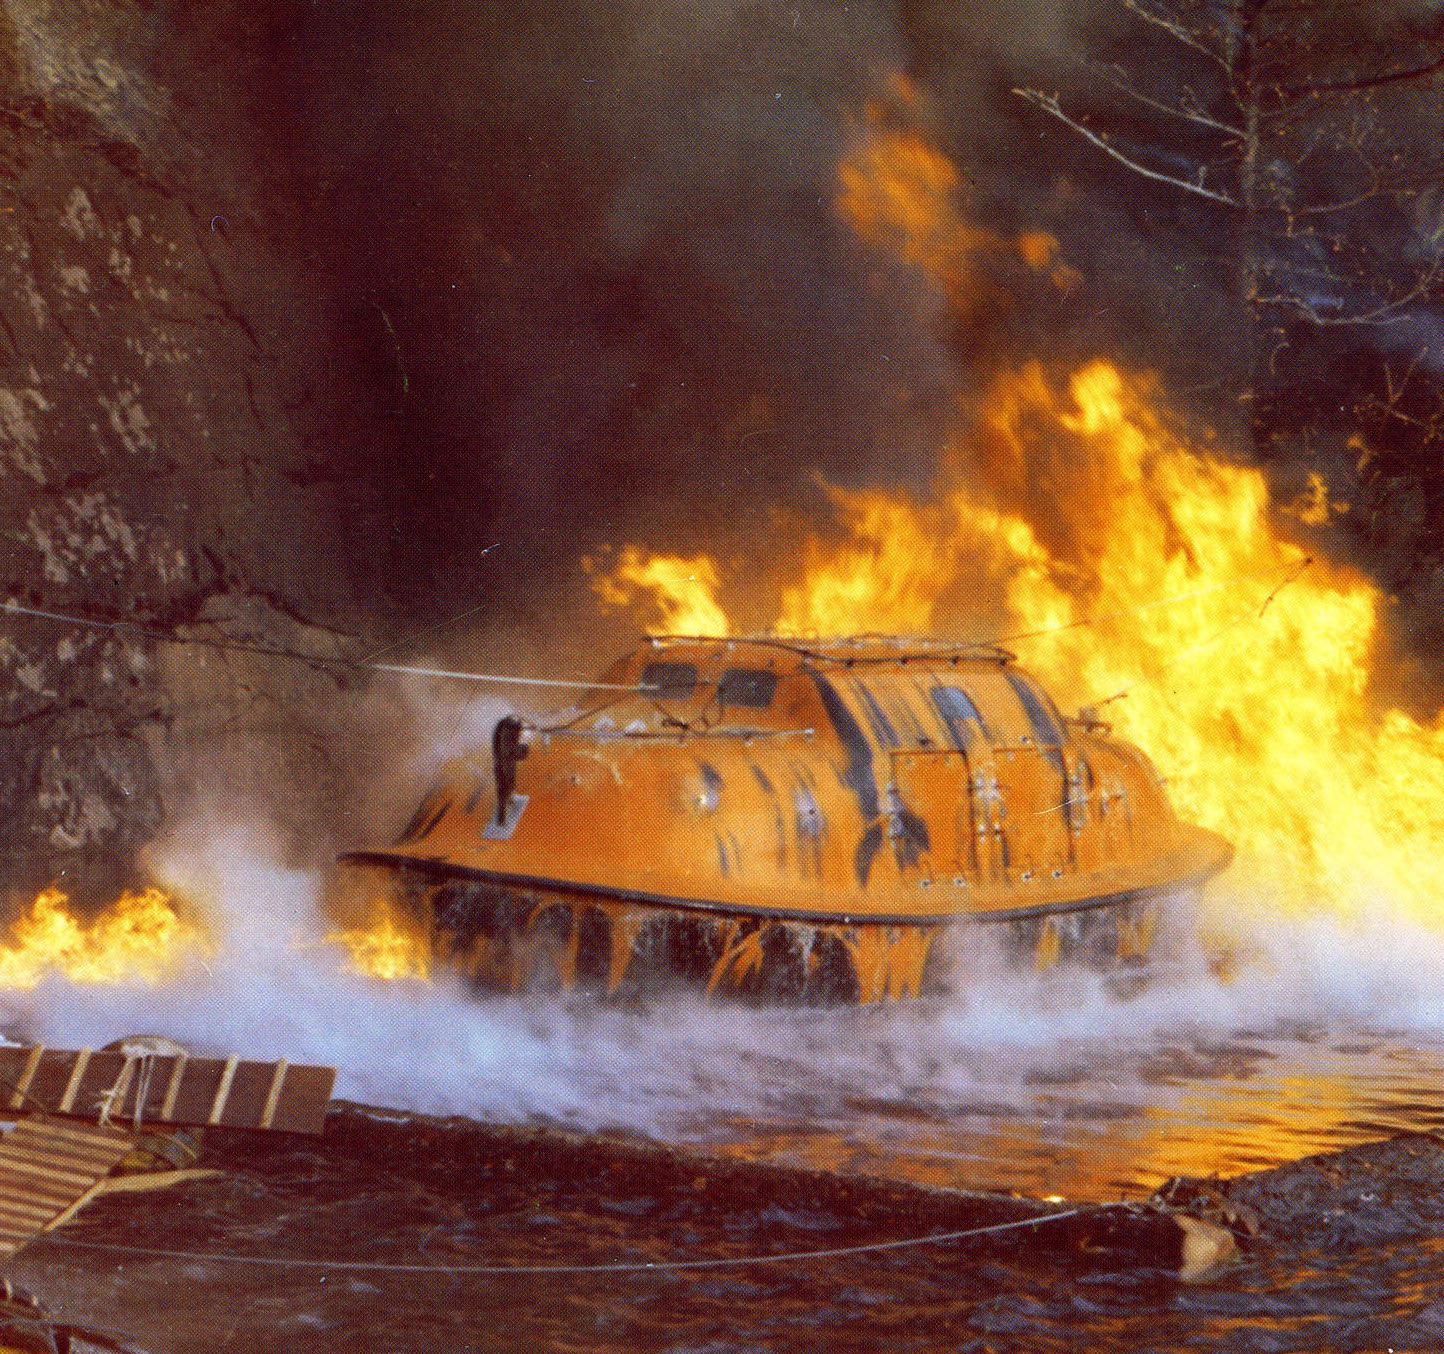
47 1166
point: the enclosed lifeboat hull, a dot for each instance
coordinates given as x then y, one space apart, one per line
794 822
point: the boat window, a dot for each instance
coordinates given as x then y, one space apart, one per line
669 681
957 709
1047 727
747 688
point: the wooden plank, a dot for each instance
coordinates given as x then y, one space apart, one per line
31 1168
172 1088
273 1096
218 1105
198 1090
177 1089
303 1100
250 1094
111 1079
130 1184
59 1135
67 1101
44 1083
25 1077
22 1158
27 1209
19 1190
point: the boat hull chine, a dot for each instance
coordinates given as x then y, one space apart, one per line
513 936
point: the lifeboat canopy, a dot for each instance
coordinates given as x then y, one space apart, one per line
710 804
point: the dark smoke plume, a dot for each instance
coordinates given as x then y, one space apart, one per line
589 279
587 268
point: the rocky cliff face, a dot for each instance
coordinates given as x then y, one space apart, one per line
168 417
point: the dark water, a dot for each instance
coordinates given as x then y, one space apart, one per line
1349 1259
1061 1086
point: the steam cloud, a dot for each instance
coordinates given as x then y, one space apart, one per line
1008 1081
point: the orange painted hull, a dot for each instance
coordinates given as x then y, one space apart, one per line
803 822
505 938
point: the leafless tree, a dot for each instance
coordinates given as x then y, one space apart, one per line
1311 126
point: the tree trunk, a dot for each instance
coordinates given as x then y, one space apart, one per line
1243 61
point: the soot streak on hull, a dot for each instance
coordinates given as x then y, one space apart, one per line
780 820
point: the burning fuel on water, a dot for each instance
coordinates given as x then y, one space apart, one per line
142 936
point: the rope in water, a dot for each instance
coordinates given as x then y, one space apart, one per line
621 1267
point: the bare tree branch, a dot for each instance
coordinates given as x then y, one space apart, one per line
1359 84
1186 110
1049 104
1175 29
1392 311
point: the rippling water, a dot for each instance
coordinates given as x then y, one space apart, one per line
1113 1121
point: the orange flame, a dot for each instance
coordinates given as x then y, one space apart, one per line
1239 663
1134 567
386 947
682 591
143 936
884 578
898 190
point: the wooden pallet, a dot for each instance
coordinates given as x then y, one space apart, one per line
164 1089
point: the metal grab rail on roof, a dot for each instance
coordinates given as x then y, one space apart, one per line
865 648
671 734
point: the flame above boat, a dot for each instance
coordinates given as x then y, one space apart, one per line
794 819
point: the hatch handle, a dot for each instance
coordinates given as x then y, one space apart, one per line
507 749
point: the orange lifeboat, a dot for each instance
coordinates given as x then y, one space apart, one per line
792 821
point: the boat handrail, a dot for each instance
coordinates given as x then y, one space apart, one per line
669 735
848 650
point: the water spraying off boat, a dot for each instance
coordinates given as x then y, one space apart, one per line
1055 1082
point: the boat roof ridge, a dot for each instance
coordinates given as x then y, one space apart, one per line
863 647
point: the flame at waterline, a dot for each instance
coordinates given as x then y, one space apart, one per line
385 947
148 937
143 936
